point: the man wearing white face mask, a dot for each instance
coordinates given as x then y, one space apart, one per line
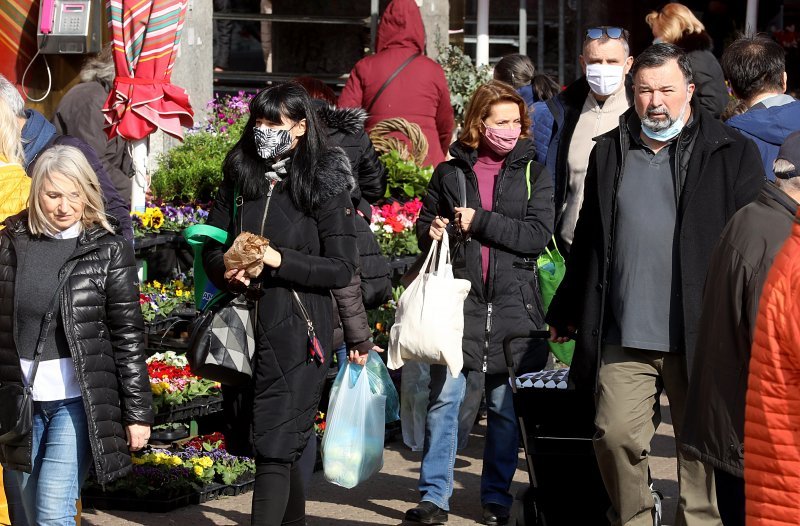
589 107
659 190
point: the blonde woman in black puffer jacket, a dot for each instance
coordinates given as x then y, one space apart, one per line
91 392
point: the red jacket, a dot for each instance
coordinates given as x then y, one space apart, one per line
772 416
419 93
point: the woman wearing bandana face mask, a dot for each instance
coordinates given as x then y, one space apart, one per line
495 241
294 190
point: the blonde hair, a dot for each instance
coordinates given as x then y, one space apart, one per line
10 136
673 21
72 164
480 106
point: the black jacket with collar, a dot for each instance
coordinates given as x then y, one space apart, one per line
273 418
105 331
720 172
713 425
517 229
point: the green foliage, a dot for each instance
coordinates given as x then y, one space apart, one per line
463 77
404 178
381 319
193 170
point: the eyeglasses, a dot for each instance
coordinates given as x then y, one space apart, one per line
597 32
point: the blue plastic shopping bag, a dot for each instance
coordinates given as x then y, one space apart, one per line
352 448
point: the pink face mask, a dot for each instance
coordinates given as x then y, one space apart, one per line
501 140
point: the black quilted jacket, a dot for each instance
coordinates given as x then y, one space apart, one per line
517 231
104 327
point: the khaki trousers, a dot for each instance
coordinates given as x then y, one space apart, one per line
628 414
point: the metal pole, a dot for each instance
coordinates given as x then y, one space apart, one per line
523 27
540 35
482 48
373 24
561 41
578 37
751 19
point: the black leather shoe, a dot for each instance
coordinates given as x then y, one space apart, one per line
427 513
495 514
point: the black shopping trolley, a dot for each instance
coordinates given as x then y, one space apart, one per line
557 424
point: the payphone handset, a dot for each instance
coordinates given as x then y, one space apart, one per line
69 26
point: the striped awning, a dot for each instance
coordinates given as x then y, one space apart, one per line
17 47
146 36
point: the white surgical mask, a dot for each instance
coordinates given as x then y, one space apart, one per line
604 79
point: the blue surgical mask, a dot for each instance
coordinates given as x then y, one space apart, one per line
667 134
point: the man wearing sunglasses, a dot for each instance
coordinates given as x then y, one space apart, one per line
659 191
589 107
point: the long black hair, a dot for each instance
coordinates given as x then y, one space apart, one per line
246 168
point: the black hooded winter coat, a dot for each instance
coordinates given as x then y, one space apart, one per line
517 230
104 327
346 130
272 418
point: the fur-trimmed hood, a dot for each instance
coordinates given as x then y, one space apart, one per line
332 176
346 120
695 42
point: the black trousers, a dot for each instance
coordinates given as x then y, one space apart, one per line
278 495
730 498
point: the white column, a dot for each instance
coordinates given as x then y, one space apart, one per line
141 179
523 27
482 48
751 19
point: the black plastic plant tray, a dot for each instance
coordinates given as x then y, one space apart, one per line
150 503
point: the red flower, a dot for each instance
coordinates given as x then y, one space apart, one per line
143 298
396 225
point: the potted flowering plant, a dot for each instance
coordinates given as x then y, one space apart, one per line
381 319
394 227
148 222
193 169
177 390
404 179
158 299
228 469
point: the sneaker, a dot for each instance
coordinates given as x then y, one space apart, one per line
657 505
495 514
427 513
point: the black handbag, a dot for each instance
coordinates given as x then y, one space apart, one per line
16 400
222 338
222 343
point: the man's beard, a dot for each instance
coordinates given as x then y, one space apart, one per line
654 124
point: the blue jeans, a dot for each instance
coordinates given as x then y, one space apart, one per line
341 355
61 459
441 436
501 450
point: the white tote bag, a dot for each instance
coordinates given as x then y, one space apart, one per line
429 322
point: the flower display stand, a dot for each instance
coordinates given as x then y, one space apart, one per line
200 406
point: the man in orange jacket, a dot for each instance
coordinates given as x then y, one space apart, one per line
772 416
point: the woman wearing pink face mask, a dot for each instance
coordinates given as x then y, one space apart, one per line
495 240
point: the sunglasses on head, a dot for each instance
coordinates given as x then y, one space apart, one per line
597 32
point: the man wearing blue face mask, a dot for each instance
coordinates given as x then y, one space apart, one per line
589 107
659 190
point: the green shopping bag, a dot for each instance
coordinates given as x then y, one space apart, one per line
551 271
205 293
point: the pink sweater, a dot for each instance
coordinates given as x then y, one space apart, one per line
486 169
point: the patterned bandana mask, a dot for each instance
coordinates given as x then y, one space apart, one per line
272 143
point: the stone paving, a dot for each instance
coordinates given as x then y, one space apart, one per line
385 497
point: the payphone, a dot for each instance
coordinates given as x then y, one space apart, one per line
70 26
